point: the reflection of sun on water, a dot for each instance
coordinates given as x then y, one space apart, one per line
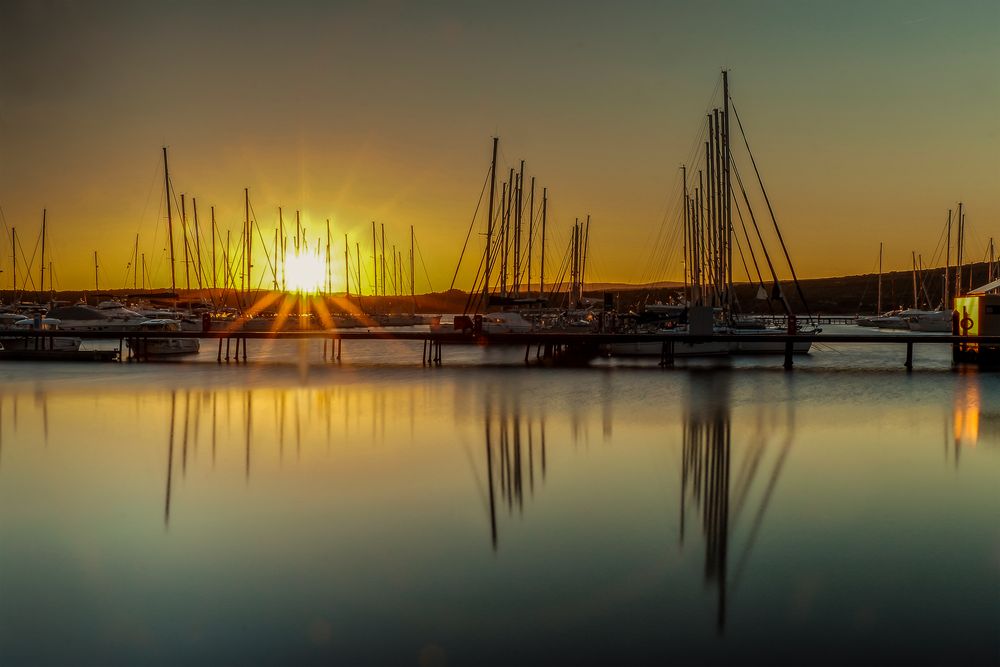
304 273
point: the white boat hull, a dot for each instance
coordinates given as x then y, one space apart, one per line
713 348
164 347
60 344
931 322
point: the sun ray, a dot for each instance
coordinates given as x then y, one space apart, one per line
323 313
258 306
286 307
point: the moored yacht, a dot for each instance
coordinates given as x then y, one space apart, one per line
81 317
14 327
162 347
895 319
938 321
505 322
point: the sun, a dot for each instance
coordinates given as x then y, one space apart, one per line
304 273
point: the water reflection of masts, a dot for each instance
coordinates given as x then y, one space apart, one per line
706 464
249 420
215 415
705 467
184 438
506 463
170 460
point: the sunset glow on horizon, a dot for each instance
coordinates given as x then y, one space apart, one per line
868 122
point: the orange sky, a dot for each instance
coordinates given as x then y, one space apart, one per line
868 120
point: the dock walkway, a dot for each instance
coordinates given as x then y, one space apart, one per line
547 344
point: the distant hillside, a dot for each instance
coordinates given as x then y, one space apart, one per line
842 295
625 287
848 295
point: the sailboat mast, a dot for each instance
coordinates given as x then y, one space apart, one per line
197 244
274 268
508 233
489 225
541 278
247 239
989 267
913 258
170 221
531 230
923 285
215 272
719 213
374 261
329 265
517 233
684 185
135 264
728 191
97 285
946 302
13 257
413 284
503 239
187 265
347 269
702 236
961 244
41 287
281 244
713 203
575 271
382 226
710 211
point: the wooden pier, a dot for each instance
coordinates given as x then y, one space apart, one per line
60 355
571 346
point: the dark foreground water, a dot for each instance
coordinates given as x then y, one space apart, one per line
379 512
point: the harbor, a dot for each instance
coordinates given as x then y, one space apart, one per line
524 334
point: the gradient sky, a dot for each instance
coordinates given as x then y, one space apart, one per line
868 120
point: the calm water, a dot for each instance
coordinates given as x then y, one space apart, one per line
378 512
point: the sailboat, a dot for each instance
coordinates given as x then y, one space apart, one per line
16 333
899 318
709 237
940 320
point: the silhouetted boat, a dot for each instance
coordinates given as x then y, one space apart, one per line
162 347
